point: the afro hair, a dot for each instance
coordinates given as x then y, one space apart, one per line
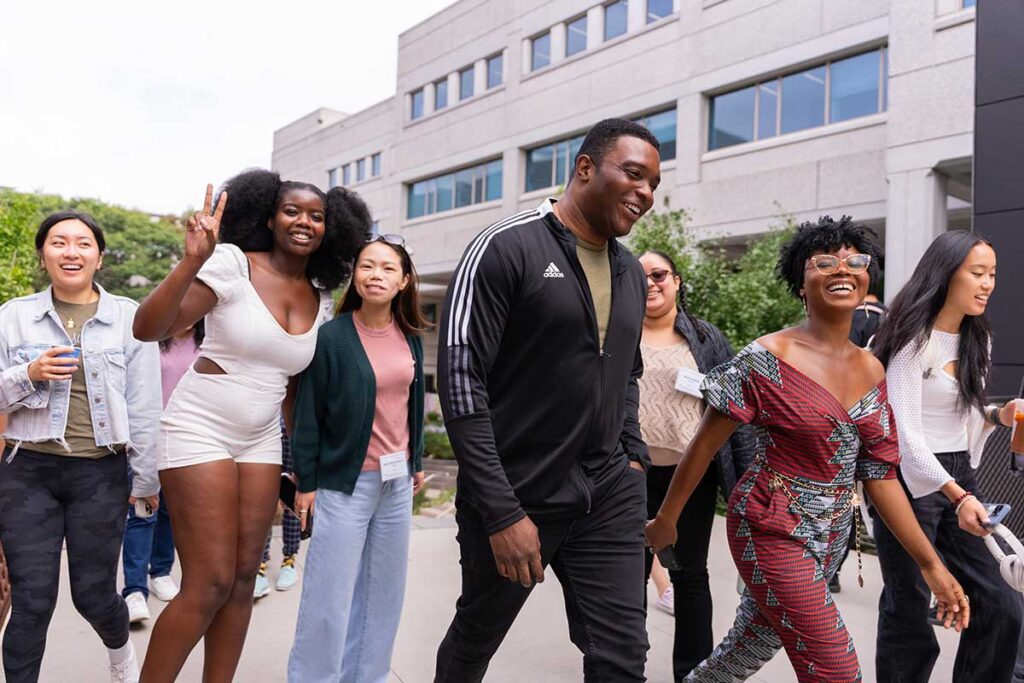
824 237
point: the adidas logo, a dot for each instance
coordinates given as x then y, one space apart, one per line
553 271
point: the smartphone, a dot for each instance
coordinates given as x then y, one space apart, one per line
142 508
997 512
667 558
287 495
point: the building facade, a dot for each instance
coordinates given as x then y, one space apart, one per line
763 107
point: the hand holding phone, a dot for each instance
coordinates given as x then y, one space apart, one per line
143 508
289 490
997 512
667 558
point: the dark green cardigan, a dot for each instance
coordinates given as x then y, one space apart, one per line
335 405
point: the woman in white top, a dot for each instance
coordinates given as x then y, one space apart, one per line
264 291
935 344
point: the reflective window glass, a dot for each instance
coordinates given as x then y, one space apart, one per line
466 83
663 126
332 178
417 199
768 109
803 100
656 9
615 19
540 55
732 118
493 180
853 86
441 94
538 167
494 71
417 104
464 187
360 169
576 36
375 163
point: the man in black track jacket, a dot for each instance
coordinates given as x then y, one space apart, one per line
538 360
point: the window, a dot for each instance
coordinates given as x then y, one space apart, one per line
360 170
441 94
465 187
375 165
417 105
576 36
663 125
969 3
836 91
466 83
551 165
615 19
495 68
332 178
374 228
657 9
346 175
540 51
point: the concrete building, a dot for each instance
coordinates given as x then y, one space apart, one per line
763 106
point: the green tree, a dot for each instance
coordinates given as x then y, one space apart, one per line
741 296
17 246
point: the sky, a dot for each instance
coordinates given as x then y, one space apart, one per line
141 103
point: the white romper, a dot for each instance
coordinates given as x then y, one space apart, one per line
235 415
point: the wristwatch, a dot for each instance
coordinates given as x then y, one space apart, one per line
993 416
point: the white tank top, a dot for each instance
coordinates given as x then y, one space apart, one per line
242 335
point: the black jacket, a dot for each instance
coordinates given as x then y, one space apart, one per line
866 321
535 410
738 452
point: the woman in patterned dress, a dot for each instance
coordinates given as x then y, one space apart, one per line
818 405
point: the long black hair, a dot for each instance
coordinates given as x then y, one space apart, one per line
912 314
697 323
253 197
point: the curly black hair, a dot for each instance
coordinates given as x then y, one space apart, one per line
253 197
824 237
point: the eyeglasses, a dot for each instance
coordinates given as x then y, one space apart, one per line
827 264
391 238
658 276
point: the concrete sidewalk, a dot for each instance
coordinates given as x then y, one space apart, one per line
536 649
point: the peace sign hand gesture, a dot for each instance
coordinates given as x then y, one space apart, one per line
203 227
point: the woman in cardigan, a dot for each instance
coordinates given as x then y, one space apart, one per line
674 341
935 344
358 447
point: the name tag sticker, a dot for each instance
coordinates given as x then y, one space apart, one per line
393 466
688 381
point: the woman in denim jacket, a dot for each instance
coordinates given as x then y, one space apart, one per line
81 394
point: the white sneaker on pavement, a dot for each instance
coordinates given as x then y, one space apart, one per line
163 588
138 610
128 670
667 602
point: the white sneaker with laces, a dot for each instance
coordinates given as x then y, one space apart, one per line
163 588
138 610
128 670
667 602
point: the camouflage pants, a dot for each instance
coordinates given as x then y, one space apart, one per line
45 500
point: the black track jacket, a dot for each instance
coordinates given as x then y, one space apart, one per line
535 410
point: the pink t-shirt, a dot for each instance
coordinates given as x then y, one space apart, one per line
393 367
174 363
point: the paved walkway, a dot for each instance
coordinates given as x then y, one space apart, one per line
536 649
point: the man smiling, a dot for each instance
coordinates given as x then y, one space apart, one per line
539 359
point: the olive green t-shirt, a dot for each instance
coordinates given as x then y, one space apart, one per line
598 269
78 434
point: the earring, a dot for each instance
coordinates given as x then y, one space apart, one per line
803 300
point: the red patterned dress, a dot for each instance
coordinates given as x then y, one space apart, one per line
791 513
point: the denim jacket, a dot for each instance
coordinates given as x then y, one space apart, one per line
122 378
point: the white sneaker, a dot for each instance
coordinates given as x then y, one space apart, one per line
667 602
163 588
128 670
138 610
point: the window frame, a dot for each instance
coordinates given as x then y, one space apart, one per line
625 28
533 51
647 13
568 30
360 169
413 115
346 175
439 86
375 165
478 184
471 72
500 58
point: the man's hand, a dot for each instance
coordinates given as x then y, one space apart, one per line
516 551
636 465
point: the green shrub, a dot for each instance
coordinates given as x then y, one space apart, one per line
436 444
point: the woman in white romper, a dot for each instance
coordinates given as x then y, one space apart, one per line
264 290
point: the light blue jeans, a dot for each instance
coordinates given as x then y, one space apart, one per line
353 583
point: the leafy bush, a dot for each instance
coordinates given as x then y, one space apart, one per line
436 444
741 296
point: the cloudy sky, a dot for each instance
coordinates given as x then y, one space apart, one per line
142 103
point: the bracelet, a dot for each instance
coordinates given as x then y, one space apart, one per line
959 503
993 416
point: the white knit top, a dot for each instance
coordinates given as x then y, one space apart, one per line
923 397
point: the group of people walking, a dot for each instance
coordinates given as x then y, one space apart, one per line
594 418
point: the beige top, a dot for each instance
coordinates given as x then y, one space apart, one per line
598 269
668 418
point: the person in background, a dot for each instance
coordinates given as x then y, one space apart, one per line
148 548
936 346
82 398
287 575
676 345
358 450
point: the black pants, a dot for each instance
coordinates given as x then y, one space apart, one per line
45 500
598 559
694 639
906 649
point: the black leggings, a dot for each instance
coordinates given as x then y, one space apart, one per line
44 500
694 640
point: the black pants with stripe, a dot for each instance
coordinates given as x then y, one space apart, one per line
599 561
46 500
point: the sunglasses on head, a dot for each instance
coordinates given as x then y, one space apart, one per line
827 264
391 238
658 276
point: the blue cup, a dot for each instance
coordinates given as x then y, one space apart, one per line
75 353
